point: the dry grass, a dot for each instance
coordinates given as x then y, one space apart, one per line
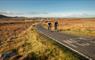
33 45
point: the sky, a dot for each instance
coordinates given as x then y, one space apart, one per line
48 8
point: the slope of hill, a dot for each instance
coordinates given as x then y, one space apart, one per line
3 16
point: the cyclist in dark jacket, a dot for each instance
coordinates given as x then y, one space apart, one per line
56 26
49 25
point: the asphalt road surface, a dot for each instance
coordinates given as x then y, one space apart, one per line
81 45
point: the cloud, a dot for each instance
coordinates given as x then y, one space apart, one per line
9 13
35 13
50 14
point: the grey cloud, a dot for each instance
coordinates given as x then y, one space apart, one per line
36 13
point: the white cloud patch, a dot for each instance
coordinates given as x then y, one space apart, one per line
47 14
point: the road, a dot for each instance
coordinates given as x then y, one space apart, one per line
80 45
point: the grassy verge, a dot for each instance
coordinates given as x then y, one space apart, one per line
35 46
90 33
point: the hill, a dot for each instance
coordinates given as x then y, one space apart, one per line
3 16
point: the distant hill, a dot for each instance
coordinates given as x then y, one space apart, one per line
3 16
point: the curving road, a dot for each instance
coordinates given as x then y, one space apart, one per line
81 45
